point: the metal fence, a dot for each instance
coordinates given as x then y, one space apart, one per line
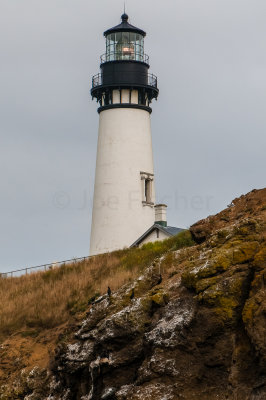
43 267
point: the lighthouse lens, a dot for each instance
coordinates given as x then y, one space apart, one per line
124 46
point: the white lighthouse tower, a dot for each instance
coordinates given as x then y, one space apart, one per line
124 191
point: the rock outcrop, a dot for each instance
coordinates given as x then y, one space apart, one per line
199 334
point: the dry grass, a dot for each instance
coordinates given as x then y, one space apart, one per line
47 299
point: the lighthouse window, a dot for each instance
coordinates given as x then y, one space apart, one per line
146 184
139 47
124 46
148 190
110 47
107 98
142 99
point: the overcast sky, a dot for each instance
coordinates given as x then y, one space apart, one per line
208 124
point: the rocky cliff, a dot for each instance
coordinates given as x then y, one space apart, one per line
197 333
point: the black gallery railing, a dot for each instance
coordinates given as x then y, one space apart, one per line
97 80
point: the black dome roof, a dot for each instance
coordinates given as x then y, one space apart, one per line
124 27
124 17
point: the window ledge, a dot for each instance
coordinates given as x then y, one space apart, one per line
146 203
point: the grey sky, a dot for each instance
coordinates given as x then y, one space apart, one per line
208 124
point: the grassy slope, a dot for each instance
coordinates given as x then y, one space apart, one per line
46 300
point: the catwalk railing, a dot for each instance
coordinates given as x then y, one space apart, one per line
43 267
124 56
151 80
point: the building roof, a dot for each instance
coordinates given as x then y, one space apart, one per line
169 230
125 27
172 230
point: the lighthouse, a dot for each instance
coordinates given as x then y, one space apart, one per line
124 189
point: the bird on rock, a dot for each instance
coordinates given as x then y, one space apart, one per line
132 294
109 291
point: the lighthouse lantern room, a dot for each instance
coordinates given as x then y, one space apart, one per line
124 191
